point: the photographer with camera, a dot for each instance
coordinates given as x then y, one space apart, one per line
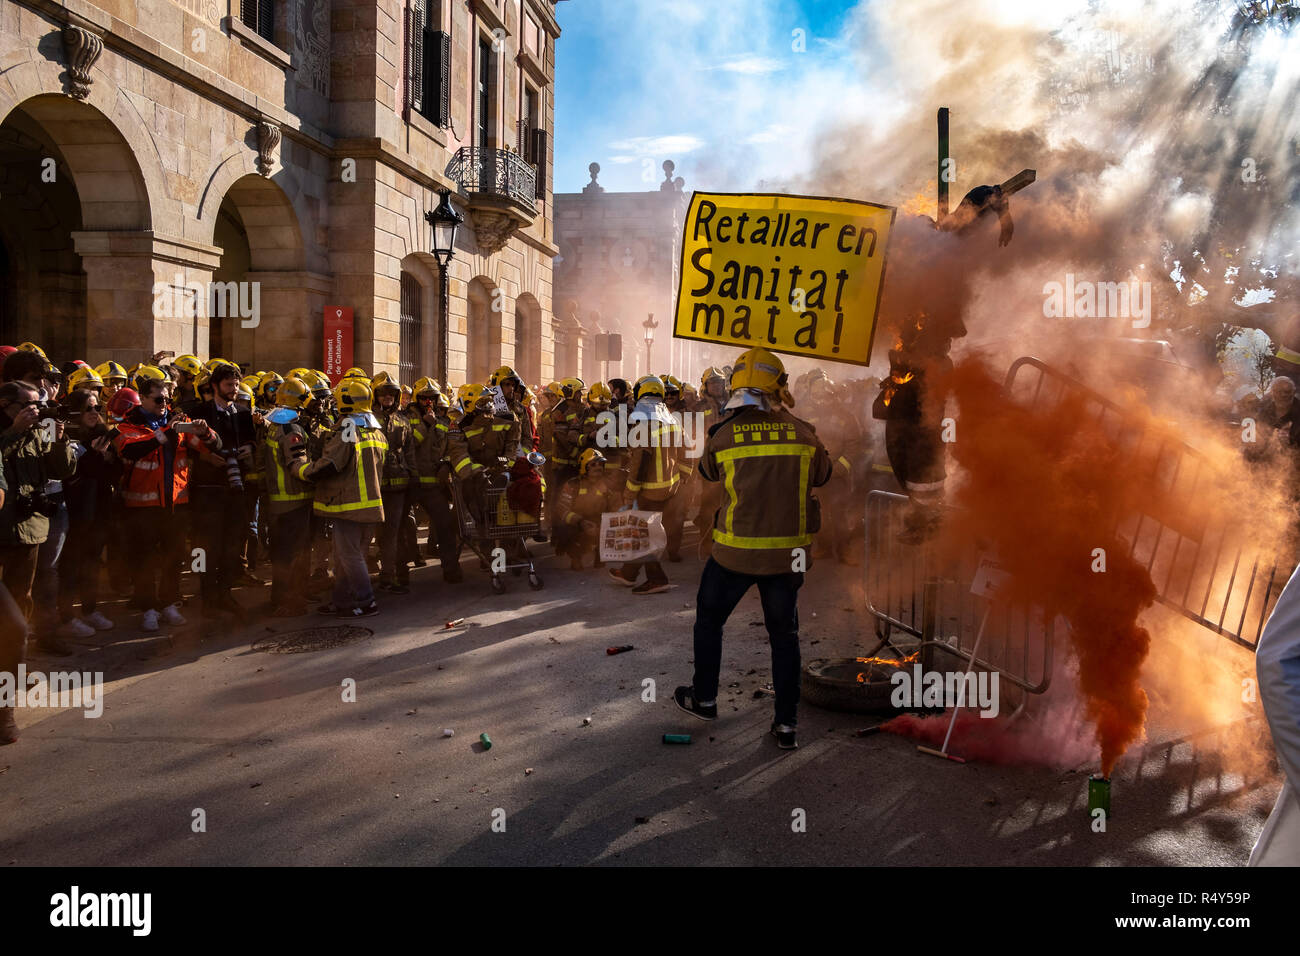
220 501
34 453
156 447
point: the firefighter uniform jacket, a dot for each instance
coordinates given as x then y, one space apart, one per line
481 439
546 434
347 474
429 451
566 424
284 453
768 463
397 432
589 428
527 430
655 467
586 499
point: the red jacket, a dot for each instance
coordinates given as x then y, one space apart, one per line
148 482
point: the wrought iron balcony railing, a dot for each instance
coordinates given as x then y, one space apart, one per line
494 172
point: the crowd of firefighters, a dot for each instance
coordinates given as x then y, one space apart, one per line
137 475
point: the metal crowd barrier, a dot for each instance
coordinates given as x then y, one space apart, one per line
911 595
1215 574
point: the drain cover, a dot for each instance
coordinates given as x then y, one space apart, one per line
312 639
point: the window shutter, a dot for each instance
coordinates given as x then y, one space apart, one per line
437 76
539 159
444 79
266 19
248 13
522 140
415 56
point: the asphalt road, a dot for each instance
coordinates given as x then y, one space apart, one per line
286 772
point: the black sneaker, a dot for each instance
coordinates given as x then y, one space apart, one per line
370 610
649 587
685 699
330 608
784 738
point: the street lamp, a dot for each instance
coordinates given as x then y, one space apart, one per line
649 325
445 220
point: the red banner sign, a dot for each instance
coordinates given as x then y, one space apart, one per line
338 341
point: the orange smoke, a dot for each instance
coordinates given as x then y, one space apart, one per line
1045 486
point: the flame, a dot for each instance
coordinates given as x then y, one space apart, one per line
884 661
891 389
922 202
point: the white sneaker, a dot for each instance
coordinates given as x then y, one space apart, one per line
98 621
149 620
171 614
76 628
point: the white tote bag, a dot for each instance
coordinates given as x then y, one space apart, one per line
632 535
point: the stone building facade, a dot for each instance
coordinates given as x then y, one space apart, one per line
152 148
619 263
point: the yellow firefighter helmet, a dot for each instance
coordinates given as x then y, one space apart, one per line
353 395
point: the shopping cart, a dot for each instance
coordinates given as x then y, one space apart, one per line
495 531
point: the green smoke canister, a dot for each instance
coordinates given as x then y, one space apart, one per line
677 738
486 741
1099 794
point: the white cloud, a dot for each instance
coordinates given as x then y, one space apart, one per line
771 134
655 146
751 65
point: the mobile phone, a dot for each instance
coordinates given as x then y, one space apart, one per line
185 428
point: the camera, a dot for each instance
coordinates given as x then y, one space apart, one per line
35 503
48 408
233 475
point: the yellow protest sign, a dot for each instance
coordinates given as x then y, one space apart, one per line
794 274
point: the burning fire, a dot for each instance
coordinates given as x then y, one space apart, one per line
891 388
884 662
922 203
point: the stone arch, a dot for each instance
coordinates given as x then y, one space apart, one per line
109 181
483 329
237 165
262 254
40 77
528 338
275 240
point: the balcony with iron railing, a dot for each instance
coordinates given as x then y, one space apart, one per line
498 174
499 187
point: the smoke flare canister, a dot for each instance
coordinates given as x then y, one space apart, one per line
677 738
618 650
1098 794
486 741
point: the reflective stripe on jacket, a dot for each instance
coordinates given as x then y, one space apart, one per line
144 482
429 454
768 464
655 468
566 422
353 491
480 440
286 453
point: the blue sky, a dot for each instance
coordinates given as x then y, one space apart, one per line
726 88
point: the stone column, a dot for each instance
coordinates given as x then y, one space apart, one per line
139 295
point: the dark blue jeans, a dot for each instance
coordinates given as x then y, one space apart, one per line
720 592
290 554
